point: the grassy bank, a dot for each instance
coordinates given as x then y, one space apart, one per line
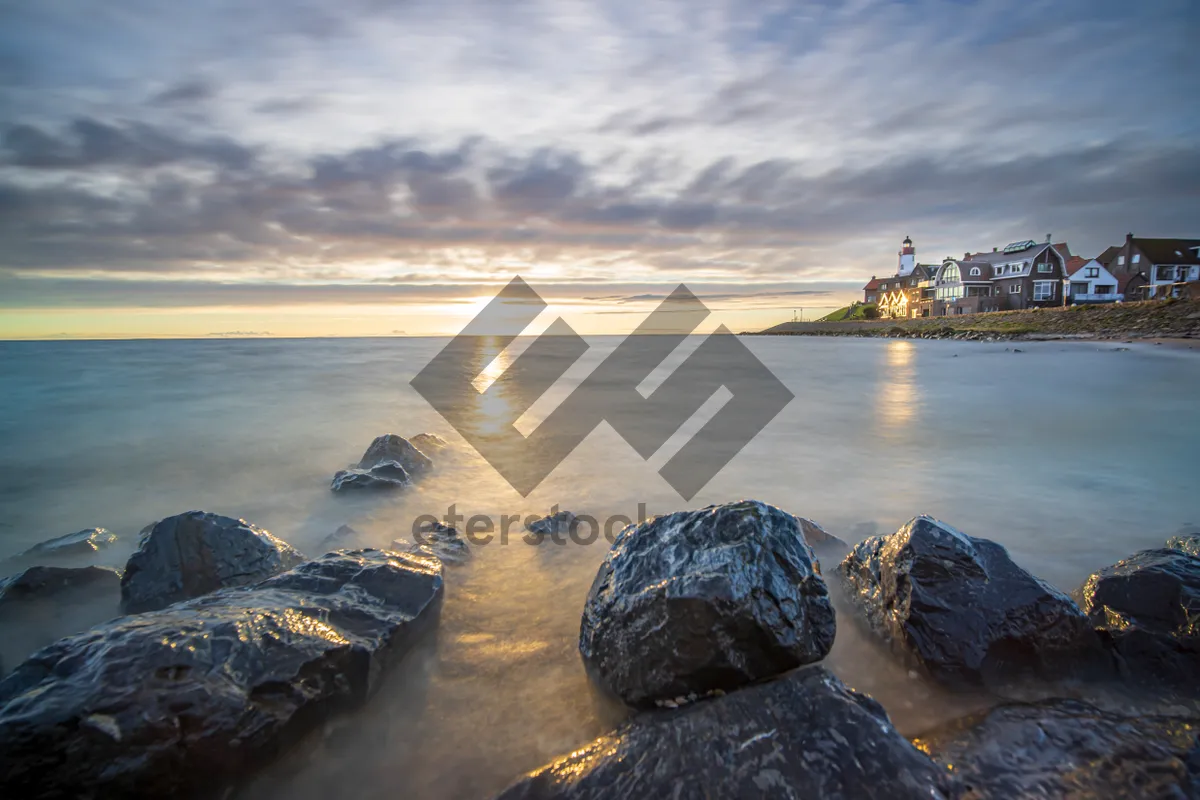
1170 319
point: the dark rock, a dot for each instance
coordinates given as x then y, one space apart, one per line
1147 609
1067 748
73 545
43 604
343 537
823 543
697 601
189 700
959 608
391 447
438 540
804 735
428 442
388 475
1187 543
192 554
555 524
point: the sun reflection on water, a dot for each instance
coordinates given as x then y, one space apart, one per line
898 395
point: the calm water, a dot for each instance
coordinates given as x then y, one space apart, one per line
1072 455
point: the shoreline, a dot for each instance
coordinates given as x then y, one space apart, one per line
1173 322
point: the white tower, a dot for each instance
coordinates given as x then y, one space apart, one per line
908 258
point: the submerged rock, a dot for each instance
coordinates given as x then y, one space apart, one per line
555 524
189 700
387 475
804 735
1066 748
428 442
343 537
73 545
439 540
696 601
191 554
43 604
391 447
1147 609
959 608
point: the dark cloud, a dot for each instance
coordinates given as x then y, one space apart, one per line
187 92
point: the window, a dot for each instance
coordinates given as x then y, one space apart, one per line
913 282
1045 267
1137 257
1014 269
1092 272
1043 290
996 270
1104 288
884 287
975 272
1014 288
1166 273
1120 261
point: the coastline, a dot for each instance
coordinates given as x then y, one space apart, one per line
1173 322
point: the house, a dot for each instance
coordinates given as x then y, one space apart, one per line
1167 264
1091 282
1023 274
871 290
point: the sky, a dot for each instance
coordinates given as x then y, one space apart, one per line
366 167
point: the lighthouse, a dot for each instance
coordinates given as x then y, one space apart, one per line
908 258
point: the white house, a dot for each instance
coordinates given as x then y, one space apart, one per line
1092 283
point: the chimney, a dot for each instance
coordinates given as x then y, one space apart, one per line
1128 268
994 249
966 256
1048 235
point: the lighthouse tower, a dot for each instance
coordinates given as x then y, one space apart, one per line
908 258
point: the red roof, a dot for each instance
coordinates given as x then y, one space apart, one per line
873 284
1074 263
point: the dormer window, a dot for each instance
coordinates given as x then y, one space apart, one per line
975 272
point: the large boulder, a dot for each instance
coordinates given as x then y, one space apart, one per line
191 554
1147 609
960 609
43 604
804 735
74 545
391 447
696 601
1067 748
385 475
189 700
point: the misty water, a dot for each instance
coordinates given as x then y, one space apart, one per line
1072 455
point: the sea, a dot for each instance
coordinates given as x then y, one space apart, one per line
1070 454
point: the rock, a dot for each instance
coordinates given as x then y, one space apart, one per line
702 600
43 604
391 447
1147 609
343 537
191 554
437 540
804 735
823 543
960 609
556 524
387 475
189 700
1187 543
73 545
428 442
1067 748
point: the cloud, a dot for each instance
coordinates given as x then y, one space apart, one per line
186 92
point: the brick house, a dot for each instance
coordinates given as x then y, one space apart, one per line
1167 265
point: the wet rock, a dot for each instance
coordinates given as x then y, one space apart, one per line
804 735
428 442
1067 748
702 600
391 447
73 545
1187 543
387 475
189 700
1147 609
192 554
827 547
438 540
960 609
556 524
343 537
43 604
